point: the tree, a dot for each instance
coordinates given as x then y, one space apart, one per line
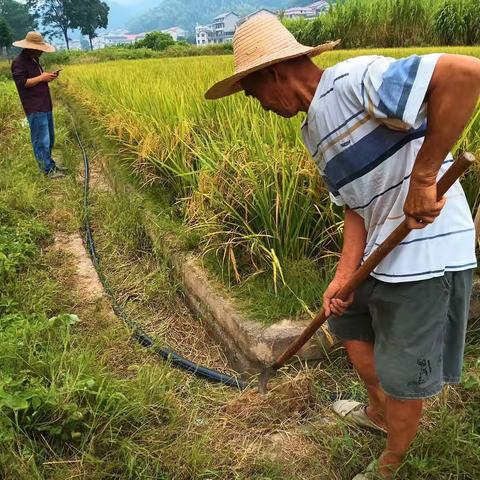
84 45
57 14
5 35
18 17
155 41
88 15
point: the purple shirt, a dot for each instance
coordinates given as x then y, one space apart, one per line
34 99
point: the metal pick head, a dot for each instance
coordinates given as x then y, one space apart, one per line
263 380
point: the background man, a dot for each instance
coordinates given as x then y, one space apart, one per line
366 129
32 85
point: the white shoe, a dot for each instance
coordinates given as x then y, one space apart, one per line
355 414
55 174
368 474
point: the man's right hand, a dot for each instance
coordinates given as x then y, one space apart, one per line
48 77
333 305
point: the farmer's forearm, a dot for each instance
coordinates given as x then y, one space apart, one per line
32 82
354 239
452 97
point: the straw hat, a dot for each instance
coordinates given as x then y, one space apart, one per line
34 41
259 42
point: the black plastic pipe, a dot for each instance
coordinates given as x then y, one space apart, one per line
137 332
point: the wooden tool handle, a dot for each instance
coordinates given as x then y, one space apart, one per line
448 179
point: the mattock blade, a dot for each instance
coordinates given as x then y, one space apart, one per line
263 380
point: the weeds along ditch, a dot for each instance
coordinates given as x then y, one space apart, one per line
59 407
240 177
138 334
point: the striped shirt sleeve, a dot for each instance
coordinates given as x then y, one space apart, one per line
394 90
337 199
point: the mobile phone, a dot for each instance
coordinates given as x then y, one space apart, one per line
57 71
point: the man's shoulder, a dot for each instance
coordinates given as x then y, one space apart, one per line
343 80
18 60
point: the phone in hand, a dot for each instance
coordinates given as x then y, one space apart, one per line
56 72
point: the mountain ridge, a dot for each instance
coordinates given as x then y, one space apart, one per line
186 13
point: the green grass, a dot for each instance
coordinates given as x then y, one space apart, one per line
4 68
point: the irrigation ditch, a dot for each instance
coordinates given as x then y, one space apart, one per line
138 333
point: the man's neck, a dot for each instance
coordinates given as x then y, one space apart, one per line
29 55
308 79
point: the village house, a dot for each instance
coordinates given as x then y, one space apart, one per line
224 26
177 33
254 14
204 34
298 12
319 7
220 31
308 12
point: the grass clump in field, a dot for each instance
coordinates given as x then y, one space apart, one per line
60 406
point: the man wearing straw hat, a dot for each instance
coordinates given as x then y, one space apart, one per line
32 85
366 129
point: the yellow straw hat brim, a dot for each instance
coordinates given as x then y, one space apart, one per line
232 85
43 46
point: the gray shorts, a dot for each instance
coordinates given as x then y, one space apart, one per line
418 330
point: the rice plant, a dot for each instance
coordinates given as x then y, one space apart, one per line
393 23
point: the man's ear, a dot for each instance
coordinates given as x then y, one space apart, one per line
274 72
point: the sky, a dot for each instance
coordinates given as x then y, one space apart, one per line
130 2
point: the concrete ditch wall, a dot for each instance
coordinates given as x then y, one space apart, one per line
248 344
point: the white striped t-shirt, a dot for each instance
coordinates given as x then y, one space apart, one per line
364 128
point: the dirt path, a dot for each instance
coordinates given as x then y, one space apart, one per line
85 281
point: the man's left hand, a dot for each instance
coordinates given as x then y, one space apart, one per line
421 206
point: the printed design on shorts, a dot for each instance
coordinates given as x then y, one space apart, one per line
424 371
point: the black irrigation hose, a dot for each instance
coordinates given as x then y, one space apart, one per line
137 332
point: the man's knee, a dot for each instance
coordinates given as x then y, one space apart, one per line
361 355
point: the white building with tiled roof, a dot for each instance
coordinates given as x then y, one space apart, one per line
298 12
224 26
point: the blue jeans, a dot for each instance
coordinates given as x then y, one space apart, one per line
43 139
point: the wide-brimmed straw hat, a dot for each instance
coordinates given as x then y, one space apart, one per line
34 41
259 42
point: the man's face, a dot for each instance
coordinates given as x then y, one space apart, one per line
34 53
272 91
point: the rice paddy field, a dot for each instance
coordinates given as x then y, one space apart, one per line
239 177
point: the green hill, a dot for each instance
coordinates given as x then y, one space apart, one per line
186 13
